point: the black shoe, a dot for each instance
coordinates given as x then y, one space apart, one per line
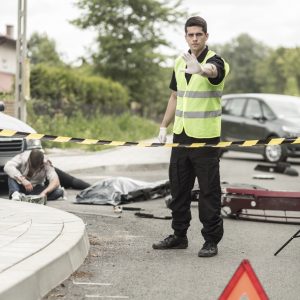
172 242
209 249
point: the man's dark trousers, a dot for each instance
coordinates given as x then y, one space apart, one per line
14 186
187 164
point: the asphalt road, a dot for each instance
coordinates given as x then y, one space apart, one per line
122 265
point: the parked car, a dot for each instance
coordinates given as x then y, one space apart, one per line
11 146
262 116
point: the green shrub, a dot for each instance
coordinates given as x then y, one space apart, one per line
101 127
62 90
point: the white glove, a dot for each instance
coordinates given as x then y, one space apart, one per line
193 66
162 137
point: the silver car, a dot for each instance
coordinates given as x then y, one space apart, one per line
11 146
262 116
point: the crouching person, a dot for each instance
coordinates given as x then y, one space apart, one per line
31 173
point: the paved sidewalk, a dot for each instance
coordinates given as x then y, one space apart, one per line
40 246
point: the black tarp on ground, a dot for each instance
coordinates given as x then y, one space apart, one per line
121 190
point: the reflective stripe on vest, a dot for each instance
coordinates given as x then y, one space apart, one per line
198 109
198 114
190 94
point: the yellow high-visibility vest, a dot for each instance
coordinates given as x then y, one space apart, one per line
198 109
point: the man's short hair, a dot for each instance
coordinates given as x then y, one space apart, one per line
36 159
196 21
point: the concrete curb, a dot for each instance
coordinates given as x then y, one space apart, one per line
40 247
126 156
131 167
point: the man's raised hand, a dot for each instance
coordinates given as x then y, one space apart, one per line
193 66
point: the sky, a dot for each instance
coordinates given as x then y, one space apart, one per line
273 22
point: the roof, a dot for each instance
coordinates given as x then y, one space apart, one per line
265 96
6 40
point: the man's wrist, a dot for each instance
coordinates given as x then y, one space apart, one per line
21 178
201 69
209 70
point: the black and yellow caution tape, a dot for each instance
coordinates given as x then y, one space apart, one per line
82 141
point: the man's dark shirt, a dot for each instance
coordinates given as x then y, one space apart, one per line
215 60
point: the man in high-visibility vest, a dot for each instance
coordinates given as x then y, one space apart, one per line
197 84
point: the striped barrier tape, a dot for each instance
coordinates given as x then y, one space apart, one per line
66 139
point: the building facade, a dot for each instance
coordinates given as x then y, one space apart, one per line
7 60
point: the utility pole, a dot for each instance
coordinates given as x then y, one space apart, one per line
21 53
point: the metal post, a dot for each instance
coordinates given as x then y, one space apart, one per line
296 235
20 103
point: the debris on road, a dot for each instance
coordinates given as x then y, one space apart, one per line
132 208
281 167
118 209
264 205
263 176
151 216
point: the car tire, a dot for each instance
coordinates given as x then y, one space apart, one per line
275 153
222 151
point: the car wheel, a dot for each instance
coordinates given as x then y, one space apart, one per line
222 151
275 153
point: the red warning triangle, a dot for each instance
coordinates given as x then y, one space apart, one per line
244 285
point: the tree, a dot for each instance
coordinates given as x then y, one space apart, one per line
244 56
279 72
129 35
42 49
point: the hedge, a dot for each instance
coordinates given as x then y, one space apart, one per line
62 90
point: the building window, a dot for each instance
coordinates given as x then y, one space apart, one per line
4 64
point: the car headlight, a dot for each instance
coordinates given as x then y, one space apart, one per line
291 131
33 144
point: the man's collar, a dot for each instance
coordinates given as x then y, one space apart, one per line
202 55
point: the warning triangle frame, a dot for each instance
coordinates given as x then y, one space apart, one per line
244 267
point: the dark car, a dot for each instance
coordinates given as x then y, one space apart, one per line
262 116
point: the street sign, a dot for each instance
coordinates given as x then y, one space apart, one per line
244 285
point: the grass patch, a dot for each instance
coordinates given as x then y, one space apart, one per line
123 127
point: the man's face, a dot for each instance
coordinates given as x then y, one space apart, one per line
196 38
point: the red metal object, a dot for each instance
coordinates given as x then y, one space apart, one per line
261 203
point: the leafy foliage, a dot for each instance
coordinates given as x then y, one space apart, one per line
129 34
60 90
244 55
42 49
123 127
279 73
256 68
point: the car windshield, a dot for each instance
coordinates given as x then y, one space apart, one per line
285 106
